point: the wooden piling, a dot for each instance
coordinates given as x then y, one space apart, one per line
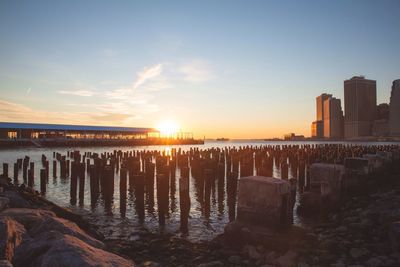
43 181
184 201
122 190
16 173
5 170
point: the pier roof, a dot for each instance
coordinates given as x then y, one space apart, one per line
65 127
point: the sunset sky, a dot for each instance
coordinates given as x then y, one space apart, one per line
236 69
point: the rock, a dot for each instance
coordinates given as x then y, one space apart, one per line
357 253
303 264
65 227
253 253
374 262
394 235
5 263
16 200
55 249
287 260
150 264
4 203
211 264
11 235
270 257
28 217
234 259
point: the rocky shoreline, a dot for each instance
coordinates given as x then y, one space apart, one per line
364 231
35 232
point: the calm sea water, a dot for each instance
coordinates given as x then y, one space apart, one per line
113 226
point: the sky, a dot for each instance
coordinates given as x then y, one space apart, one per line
233 69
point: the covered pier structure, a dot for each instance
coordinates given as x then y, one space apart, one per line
13 130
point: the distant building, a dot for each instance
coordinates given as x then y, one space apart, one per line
380 126
382 112
359 106
317 127
394 109
293 137
333 118
320 105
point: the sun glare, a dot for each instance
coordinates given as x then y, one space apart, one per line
168 128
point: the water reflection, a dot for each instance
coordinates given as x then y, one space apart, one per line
212 197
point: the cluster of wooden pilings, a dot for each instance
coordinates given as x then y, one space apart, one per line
150 175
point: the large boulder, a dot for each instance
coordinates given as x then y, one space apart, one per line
394 235
16 200
5 263
12 234
65 227
54 249
287 260
4 201
29 218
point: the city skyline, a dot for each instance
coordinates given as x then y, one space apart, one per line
215 69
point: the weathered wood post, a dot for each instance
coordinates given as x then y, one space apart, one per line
25 168
302 174
284 171
31 174
43 181
5 170
81 174
54 169
184 201
139 196
73 183
15 173
162 197
149 174
208 174
231 191
122 190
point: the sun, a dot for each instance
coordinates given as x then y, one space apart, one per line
168 128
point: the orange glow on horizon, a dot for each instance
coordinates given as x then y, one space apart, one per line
168 128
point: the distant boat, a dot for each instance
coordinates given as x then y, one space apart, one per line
222 139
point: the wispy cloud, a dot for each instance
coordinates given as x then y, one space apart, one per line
196 71
16 112
146 74
78 92
128 103
28 91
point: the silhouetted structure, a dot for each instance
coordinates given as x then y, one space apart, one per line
317 128
381 124
333 118
359 106
394 110
55 131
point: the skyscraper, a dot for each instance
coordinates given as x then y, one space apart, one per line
317 127
359 106
333 118
394 109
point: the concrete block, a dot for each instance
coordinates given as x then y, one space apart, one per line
325 188
357 173
326 178
358 165
386 156
375 161
264 201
